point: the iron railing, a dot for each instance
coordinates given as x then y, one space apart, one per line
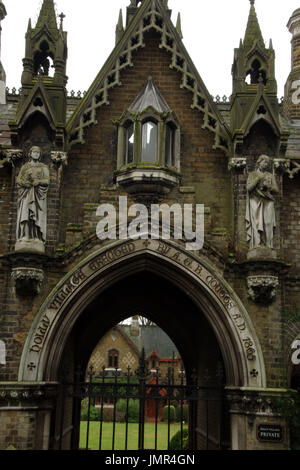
93 409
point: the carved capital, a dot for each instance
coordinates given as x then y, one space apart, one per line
252 403
27 281
287 166
237 163
10 157
262 288
59 158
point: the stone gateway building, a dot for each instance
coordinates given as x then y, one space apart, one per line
147 133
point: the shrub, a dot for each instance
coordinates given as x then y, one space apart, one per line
182 413
133 409
94 414
175 443
169 411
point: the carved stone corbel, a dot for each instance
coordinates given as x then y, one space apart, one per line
28 281
237 163
10 157
262 288
59 158
287 166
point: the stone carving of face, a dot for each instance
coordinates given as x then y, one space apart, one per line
35 153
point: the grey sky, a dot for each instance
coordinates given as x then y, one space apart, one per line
211 30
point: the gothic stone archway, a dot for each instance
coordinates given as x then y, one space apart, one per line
225 314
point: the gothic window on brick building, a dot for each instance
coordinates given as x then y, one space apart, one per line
113 358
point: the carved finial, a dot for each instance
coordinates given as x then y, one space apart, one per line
119 27
252 2
178 26
61 16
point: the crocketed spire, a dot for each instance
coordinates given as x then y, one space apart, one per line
253 31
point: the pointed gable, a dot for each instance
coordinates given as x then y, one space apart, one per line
152 14
150 96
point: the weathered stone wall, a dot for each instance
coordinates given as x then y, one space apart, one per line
17 430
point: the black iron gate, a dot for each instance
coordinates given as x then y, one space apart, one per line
141 410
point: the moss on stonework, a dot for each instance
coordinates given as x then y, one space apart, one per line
91 206
146 165
74 227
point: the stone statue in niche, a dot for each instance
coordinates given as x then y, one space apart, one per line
260 210
33 183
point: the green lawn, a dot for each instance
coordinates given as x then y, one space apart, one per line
133 432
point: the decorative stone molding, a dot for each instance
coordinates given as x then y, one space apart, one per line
59 158
262 288
264 402
10 157
27 281
151 16
237 163
16 392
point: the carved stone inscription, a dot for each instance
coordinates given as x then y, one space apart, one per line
83 274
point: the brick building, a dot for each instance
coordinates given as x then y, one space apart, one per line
122 346
148 131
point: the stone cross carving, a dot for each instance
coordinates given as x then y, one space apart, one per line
260 210
33 183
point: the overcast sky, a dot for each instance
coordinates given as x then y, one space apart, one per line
211 31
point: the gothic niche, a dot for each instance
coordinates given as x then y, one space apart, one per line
32 184
43 60
262 288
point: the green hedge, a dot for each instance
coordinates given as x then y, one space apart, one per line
133 409
94 414
169 413
175 443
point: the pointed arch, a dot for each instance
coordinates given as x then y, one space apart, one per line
211 294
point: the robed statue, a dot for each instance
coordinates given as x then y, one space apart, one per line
33 183
260 210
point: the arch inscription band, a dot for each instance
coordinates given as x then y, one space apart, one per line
94 265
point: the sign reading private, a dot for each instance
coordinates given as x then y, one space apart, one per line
270 433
